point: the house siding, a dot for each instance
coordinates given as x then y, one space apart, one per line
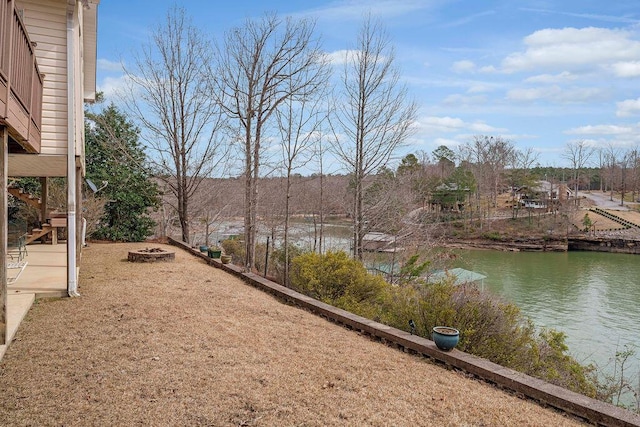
79 82
47 25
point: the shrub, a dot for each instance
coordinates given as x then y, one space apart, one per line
492 235
498 331
399 306
489 327
277 260
235 248
337 279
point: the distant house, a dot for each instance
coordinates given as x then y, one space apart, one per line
542 195
47 73
448 197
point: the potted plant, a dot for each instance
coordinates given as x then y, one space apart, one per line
445 337
203 248
226 259
214 252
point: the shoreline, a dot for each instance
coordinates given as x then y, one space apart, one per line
575 243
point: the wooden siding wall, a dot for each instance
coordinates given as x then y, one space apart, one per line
46 22
79 81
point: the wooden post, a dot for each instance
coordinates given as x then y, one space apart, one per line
4 144
44 194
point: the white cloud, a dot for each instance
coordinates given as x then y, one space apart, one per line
488 69
458 100
600 130
343 56
442 124
480 127
575 95
339 57
626 69
436 125
530 94
573 49
628 107
112 87
551 78
482 88
463 67
107 65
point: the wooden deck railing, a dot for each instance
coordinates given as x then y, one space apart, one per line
20 80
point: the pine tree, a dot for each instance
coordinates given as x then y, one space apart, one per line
115 157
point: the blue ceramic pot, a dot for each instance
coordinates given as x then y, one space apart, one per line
445 337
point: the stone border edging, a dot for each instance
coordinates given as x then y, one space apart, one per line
592 410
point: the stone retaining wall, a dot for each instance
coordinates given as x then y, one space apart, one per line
613 245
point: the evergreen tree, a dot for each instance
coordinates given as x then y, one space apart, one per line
114 156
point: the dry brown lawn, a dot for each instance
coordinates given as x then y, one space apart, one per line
185 344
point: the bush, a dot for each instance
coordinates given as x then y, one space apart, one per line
498 331
337 279
489 327
277 260
492 235
235 249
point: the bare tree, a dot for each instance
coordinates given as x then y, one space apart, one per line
578 153
299 121
634 165
171 97
601 167
262 64
625 164
488 157
318 240
612 154
373 115
521 163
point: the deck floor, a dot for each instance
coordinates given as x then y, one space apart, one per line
44 276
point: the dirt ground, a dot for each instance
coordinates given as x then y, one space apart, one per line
185 344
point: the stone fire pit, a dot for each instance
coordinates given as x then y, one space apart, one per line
151 255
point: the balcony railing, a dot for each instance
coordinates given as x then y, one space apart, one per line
20 80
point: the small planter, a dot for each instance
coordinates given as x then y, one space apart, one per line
446 338
203 248
226 259
214 253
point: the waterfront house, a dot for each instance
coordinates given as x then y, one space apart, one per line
543 195
47 73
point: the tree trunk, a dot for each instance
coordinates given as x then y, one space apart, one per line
286 228
321 241
248 243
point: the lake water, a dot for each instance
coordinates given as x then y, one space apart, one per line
593 297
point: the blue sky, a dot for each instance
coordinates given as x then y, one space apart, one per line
540 73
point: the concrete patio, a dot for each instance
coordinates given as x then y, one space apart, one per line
45 276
